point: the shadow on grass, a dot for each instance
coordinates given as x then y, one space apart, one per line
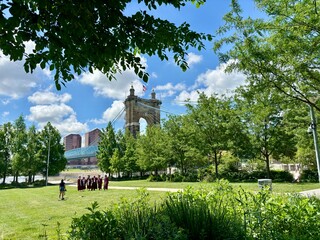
35 184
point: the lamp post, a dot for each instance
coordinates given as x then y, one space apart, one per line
48 161
313 128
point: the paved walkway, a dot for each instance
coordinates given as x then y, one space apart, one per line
149 189
309 193
72 184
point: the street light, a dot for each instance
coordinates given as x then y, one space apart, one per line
313 128
48 161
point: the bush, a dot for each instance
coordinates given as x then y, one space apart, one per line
94 225
206 214
309 176
135 219
281 217
216 213
155 178
281 176
244 176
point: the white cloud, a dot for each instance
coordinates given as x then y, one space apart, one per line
4 114
29 47
14 81
111 113
170 86
169 89
51 107
213 81
50 113
71 125
193 58
115 89
49 98
154 75
184 96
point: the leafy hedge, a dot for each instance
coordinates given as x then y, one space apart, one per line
309 176
206 175
217 213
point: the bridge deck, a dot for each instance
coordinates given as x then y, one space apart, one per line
84 152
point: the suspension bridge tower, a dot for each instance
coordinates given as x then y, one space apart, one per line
137 108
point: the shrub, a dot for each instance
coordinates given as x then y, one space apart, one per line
216 213
206 214
135 219
94 225
309 176
281 217
155 178
281 176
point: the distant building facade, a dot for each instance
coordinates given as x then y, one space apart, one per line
72 141
92 138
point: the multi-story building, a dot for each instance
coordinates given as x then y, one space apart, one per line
92 138
72 141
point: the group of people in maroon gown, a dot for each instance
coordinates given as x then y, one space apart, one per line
93 183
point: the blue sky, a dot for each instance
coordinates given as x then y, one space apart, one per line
91 100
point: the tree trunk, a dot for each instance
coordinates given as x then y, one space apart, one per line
4 179
268 166
29 178
216 163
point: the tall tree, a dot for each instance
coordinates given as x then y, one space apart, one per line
151 150
72 37
19 147
182 148
106 148
298 121
117 163
52 151
130 157
33 163
218 126
6 142
264 115
280 50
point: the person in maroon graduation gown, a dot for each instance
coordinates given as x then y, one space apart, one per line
106 182
99 182
79 184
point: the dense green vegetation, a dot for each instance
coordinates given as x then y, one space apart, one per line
218 137
27 152
63 42
220 212
31 213
234 138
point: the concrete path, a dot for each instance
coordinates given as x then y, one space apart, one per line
149 189
309 193
72 184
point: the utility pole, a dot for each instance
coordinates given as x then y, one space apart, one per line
48 160
315 138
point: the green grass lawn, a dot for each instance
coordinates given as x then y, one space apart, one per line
27 213
276 187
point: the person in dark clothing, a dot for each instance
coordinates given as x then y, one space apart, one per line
94 183
89 183
79 184
106 183
62 188
99 182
